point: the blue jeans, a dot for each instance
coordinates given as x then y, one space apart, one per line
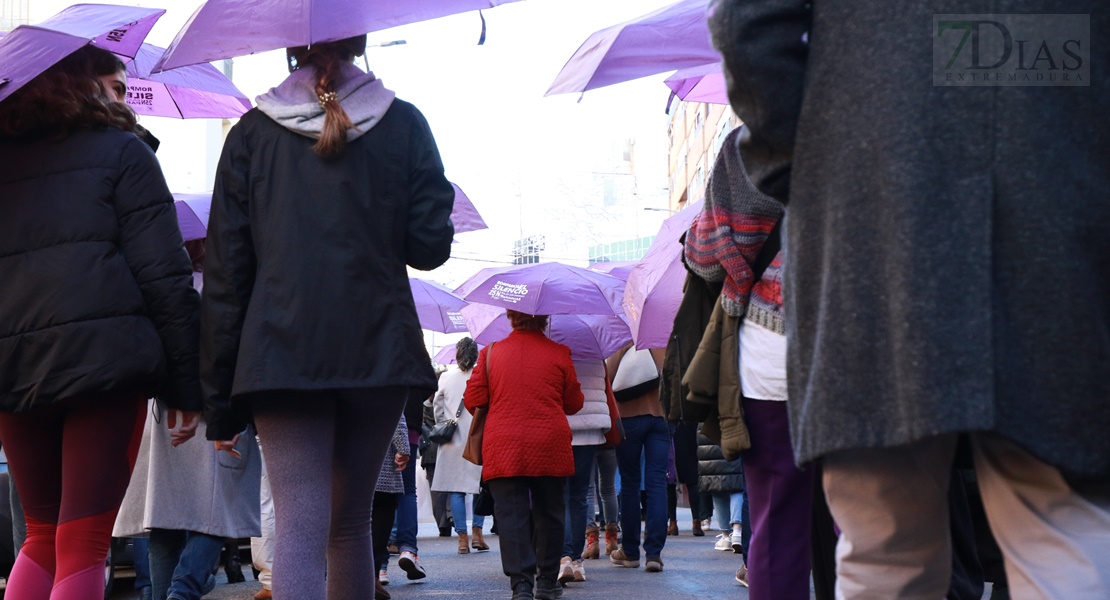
458 513
140 551
180 562
574 495
647 436
729 509
406 523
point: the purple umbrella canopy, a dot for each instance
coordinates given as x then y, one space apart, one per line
464 215
192 214
446 355
545 289
437 307
671 38
699 84
587 336
31 49
617 268
654 288
228 28
193 92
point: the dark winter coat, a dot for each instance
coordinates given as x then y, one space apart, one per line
715 474
97 289
698 297
949 251
305 286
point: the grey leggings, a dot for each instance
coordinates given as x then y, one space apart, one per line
606 473
324 451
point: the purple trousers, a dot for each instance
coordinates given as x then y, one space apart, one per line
780 497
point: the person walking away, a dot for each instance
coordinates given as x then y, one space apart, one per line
407 521
455 475
723 480
887 365
528 384
90 330
429 452
322 346
646 435
387 493
588 427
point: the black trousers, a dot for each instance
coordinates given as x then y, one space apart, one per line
530 526
381 525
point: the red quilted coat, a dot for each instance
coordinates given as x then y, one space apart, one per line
531 389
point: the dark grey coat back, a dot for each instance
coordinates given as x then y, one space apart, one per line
305 285
949 246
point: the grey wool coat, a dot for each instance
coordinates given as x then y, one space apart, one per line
949 246
192 487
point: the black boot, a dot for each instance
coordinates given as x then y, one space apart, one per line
233 568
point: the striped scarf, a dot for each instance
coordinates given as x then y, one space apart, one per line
725 239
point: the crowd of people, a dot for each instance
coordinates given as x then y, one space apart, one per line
919 369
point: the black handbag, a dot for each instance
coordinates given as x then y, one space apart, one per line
443 432
483 503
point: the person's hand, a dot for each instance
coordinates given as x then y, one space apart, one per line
228 446
401 460
184 428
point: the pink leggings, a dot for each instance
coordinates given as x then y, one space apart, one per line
71 462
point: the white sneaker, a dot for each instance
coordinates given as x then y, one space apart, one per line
737 542
724 543
383 577
578 570
410 564
566 570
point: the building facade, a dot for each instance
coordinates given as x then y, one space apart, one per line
696 131
14 13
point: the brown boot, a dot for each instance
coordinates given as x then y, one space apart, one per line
477 542
592 535
464 543
611 538
696 529
672 529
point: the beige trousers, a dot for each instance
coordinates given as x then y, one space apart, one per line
892 508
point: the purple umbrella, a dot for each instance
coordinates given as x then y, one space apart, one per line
464 215
446 355
654 288
545 289
228 28
437 307
194 92
192 214
31 49
699 84
671 38
618 268
587 336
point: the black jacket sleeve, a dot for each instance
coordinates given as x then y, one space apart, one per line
764 49
229 271
150 241
429 232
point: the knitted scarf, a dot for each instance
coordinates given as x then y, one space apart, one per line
725 239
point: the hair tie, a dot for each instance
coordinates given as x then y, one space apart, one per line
327 97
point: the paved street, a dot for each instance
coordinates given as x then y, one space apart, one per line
692 570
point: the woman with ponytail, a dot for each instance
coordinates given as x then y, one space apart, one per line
323 194
454 474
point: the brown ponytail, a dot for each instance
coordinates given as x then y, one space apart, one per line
327 59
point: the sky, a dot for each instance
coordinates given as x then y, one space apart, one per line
529 163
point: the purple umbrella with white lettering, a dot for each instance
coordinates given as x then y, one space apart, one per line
587 336
437 307
31 49
654 288
545 289
192 214
193 92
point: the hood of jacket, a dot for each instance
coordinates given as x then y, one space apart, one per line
294 105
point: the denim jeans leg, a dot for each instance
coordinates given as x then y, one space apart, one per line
407 519
200 554
140 551
606 460
736 504
166 546
628 463
476 521
657 448
721 510
458 511
577 486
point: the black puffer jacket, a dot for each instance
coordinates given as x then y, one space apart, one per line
715 474
305 285
97 290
